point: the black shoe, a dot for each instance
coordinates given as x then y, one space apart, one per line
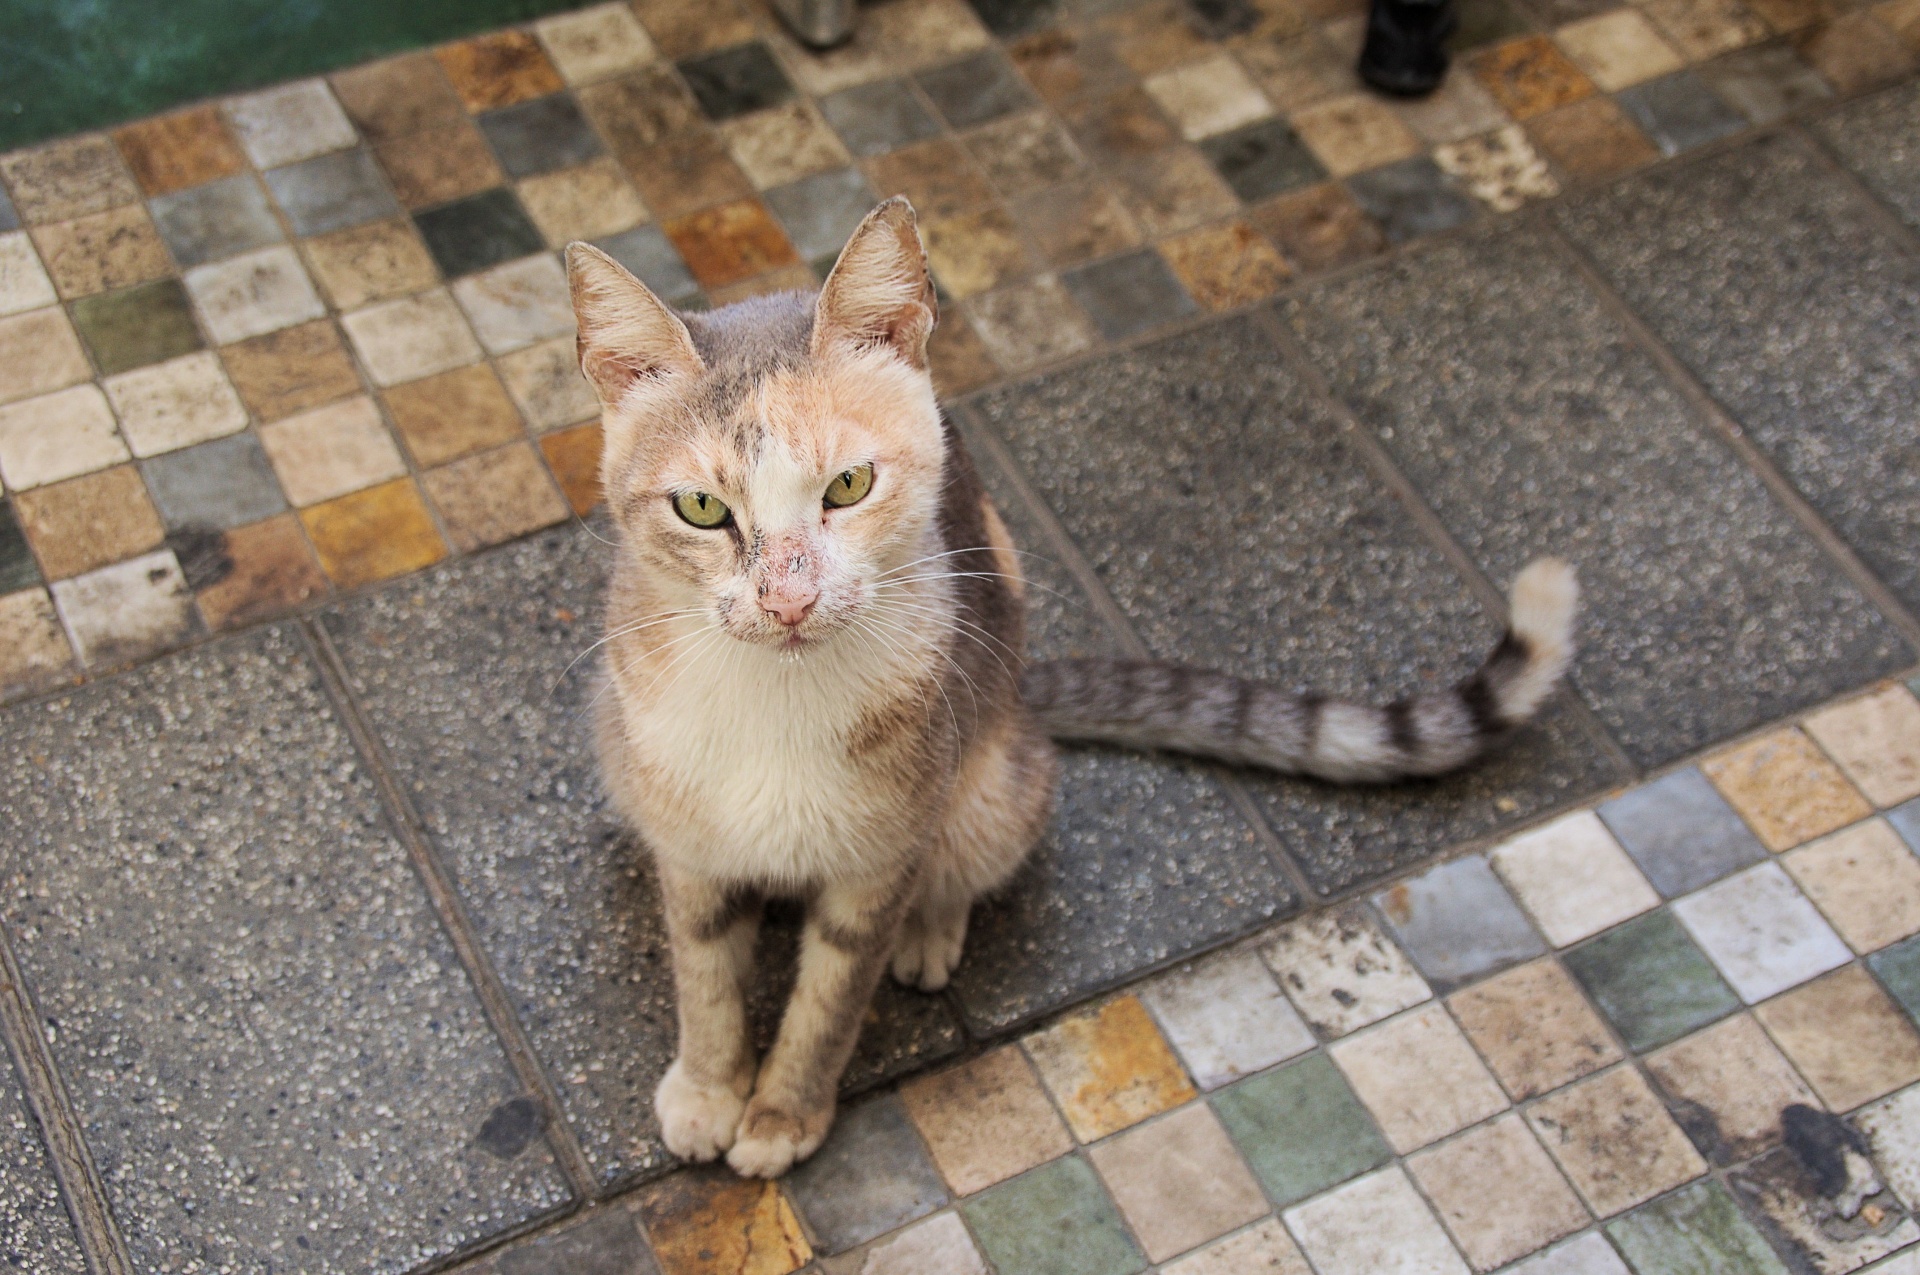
1406 53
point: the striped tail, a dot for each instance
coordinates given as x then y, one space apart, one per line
1149 705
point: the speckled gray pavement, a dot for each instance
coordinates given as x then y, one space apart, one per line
333 958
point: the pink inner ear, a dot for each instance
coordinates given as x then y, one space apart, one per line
614 373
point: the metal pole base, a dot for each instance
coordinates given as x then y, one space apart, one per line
820 24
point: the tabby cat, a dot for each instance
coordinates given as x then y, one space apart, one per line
814 640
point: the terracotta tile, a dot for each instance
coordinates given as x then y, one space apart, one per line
1701 29
1418 1076
732 242
113 249
291 370
1865 880
545 381
59 435
1785 788
686 173
493 497
498 70
1178 1181
710 1221
34 654
175 404
374 534
641 110
410 338
1024 153
1851 1043
1172 191
1618 49
1208 96
332 450
1298 72
1534 1028
390 99
957 357
595 44
74 177
936 175
574 457
23 280
1497 1192
131 609
1225 266
187 148
88 522
1152 36
1064 63
682 28
1108 1068
986 1121
439 165
785 279
38 353
900 36
1728 1086
783 144
263 569
1500 169
1342 973
444 417
1529 76
1592 139
370 263
975 251
1029 323
1615 1141
1876 740
1077 222
1119 126
1319 228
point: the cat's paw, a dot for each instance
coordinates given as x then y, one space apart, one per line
697 1118
770 1141
928 953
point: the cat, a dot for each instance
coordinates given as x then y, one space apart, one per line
816 684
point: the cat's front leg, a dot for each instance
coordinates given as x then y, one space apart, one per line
850 932
711 929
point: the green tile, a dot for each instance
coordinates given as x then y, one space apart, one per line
17 567
137 326
1053 1221
1301 1129
1651 982
1697 1230
1899 968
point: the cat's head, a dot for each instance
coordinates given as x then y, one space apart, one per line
770 463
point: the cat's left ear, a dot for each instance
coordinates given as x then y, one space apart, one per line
880 293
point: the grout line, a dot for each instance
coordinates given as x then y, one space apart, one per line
445 900
62 1131
1876 208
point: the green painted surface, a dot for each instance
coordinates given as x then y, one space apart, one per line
1697 1230
1301 1129
71 65
1651 981
1053 1221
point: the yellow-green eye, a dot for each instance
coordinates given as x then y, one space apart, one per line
849 487
701 509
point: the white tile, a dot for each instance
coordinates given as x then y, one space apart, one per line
545 381
23 280
292 122
1588 1255
254 293
595 43
1264 1248
127 610
175 404
1876 740
331 450
1212 95
1907 1263
1342 973
1574 878
412 337
55 436
517 304
1227 1018
1419 1077
1892 1125
1376 1225
1762 934
938 1246
39 353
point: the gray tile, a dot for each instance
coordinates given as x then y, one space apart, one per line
269 1039
1262 159
216 221
648 253
1681 832
1899 968
875 118
1781 292
1458 922
819 212
1679 112
562 897
215 485
1412 198
541 135
9 219
737 80
871 1176
1532 425
332 192
1315 579
1765 83
36 1237
1129 294
1906 820
605 1242
979 87
1878 137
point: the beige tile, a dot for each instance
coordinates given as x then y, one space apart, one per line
370 263
495 496
783 144
291 370
175 404
1876 740
1030 323
1152 36
1855 53
1342 973
1353 133
1418 1076
113 249
1173 190
1615 1141
1076 222
1701 29
253 293
1371 1225
331 451
68 178
588 202
545 380
1618 49
986 1120
33 649
1212 95
442 418
1024 153
24 284
1179 1181
1460 108
975 251
1736 1081
1265 1249
1108 1068
1851 1043
1535 1028
512 306
889 39
1298 72
1865 880
410 338
56 436
1500 169
39 353
1574 878
89 522
1497 1192
594 44
1785 788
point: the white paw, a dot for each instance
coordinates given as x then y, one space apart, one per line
927 954
697 1119
769 1141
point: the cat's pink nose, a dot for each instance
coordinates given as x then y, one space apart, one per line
790 606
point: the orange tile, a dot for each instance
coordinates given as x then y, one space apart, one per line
498 70
1226 266
732 242
1109 1068
440 164
291 370
89 522
396 97
1592 138
374 534
104 251
1319 228
1785 788
708 1222
1529 76
266 569
445 417
172 152
493 497
574 456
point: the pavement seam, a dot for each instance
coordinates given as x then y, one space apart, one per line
1905 238
447 905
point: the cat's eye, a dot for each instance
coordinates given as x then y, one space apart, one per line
701 510
849 487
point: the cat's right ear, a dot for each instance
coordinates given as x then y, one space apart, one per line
626 333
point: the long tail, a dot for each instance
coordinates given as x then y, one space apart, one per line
1150 705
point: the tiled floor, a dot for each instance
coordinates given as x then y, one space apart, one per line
320 950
